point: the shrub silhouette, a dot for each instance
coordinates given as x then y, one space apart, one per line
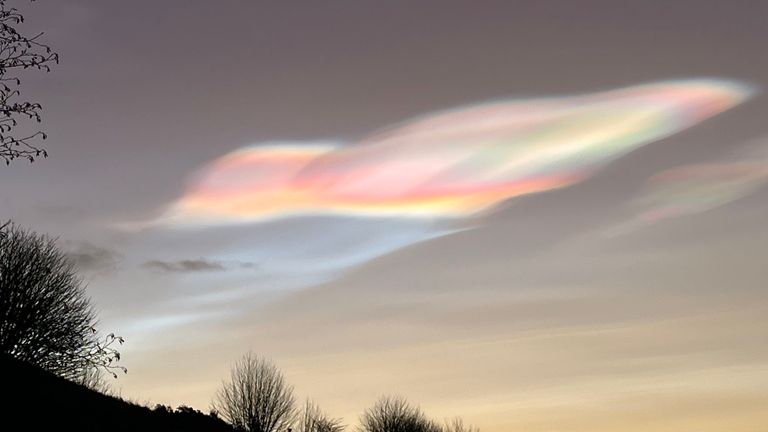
46 319
256 397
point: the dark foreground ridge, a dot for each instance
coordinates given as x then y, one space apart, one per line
36 400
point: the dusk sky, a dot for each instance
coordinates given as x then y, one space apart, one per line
538 216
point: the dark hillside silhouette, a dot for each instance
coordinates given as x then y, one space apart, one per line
40 400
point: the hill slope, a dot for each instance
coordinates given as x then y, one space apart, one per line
38 400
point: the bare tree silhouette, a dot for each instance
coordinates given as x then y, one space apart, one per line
46 319
256 397
19 52
395 414
312 419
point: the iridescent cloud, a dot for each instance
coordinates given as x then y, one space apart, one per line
696 188
450 164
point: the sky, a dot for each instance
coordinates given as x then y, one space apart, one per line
538 216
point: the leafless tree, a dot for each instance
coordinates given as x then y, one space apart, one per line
395 414
19 52
312 419
46 318
256 398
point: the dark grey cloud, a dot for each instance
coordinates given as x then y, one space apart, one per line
184 266
196 265
91 258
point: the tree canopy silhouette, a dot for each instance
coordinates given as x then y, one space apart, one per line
46 318
256 398
19 52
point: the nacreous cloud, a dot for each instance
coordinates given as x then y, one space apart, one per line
450 164
697 188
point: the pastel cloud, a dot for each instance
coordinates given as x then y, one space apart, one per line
696 188
451 164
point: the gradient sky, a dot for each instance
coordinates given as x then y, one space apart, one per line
540 216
